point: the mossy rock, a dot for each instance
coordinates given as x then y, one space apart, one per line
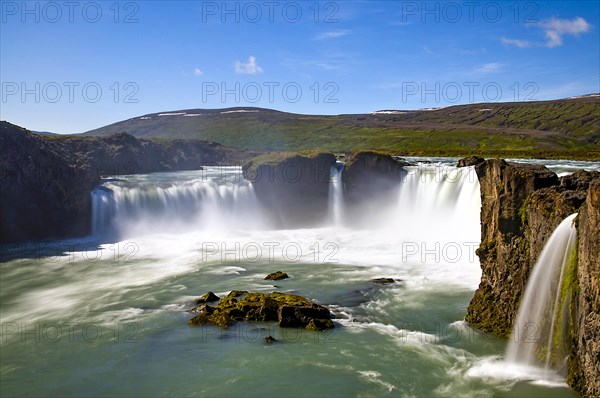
276 276
208 314
289 310
319 324
270 339
209 297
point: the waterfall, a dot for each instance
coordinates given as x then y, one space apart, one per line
336 194
214 198
425 206
439 202
539 336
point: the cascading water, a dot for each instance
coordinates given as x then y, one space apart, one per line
439 203
539 336
336 194
179 235
213 198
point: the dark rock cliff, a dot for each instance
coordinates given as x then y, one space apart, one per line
43 195
294 188
371 180
504 250
521 207
584 372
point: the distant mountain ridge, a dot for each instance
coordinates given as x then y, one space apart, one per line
570 125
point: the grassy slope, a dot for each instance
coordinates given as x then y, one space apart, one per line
562 128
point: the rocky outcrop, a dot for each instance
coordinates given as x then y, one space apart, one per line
504 250
370 181
470 161
289 310
47 180
44 195
584 365
384 281
276 276
293 187
521 207
208 297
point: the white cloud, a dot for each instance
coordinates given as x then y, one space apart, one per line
249 68
516 42
332 35
198 72
554 30
491 67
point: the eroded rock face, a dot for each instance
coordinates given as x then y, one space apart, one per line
521 206
288 310
504 250
371 181
293 188
584 364
44 195
470 161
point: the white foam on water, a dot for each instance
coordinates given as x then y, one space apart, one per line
375 377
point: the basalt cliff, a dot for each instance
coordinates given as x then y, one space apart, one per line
521 206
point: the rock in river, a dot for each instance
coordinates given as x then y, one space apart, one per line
275 276
289 310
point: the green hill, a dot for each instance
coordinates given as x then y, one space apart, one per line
566 128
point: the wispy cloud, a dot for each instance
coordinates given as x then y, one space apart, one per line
516 42
332 34
248 68
198 72
554 30
316 63
491 67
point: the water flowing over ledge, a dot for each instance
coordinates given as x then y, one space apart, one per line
429 213
541 333
426 204
215 198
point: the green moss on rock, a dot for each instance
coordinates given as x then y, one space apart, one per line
276 276
289 310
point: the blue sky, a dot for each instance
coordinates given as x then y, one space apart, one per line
72 67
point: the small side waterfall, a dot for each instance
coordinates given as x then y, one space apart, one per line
540 334
336 194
